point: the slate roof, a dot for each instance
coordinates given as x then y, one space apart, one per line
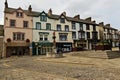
33 13
53 16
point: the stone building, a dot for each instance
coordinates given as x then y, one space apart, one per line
17 31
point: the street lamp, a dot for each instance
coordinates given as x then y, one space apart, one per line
54 42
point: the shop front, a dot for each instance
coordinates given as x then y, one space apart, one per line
41 48
65 47
17 49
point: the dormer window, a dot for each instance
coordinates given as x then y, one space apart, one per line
43 18
19 14
62 20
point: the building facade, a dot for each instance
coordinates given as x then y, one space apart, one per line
17 31
45 26
1 41
85 33
27 32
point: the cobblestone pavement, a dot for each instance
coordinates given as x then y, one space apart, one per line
66 68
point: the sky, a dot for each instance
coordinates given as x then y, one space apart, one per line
106 11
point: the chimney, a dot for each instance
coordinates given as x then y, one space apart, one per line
94 21
108 25
88 19
77 17
101 24
6 4
30 9
64 13
50 12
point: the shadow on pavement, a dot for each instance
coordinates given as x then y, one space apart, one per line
113 54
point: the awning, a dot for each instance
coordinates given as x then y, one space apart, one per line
40 44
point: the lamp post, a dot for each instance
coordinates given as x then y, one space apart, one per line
54 42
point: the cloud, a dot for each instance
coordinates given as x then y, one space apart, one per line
100 10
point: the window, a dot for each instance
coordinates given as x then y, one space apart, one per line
81 26
18 36
66 28
74 35
73 26
81 35
19 14
48 26
25 24
38 25
88 35
46 37
94 35
62 20
41 37
58 27
105 36
94 28
12 23
87 27
43 18
63 37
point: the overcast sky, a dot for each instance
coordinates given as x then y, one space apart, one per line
107 11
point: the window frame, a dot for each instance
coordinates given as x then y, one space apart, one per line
12 24
66 27
87 27
43 18
48 26
25 24
62 20
58 29
73 25
38 26
88 36
19 14
18 36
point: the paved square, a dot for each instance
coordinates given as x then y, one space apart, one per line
67 68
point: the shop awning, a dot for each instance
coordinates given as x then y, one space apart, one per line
45 44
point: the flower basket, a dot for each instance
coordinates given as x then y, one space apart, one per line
27 40
8 40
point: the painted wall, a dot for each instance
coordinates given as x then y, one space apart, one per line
8 31
53 28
